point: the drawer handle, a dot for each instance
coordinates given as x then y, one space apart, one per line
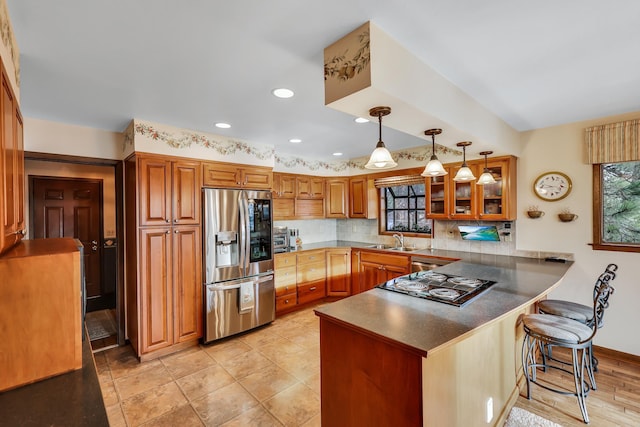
286 301
312 289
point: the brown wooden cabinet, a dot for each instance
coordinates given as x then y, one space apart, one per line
311 276
447 199
163 283
285 282
376 268
309 187
337 198
12 225
284 186
229 175
363 198
338 272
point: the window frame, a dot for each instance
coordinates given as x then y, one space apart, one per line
598 220
382 217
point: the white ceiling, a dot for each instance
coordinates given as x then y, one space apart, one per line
193 63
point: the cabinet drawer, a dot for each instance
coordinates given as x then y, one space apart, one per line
310 256
286 290
285 260
385 259
311 292
285 277
286 301
312 271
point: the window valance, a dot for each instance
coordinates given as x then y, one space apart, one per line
392 181
613 142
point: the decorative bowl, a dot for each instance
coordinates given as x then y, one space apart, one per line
535 214
567 217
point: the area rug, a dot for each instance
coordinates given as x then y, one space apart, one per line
518 417
100 324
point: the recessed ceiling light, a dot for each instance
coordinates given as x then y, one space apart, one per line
337 154
223 125
295 140
282 92
360 120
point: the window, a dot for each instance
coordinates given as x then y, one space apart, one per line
403 210
616 213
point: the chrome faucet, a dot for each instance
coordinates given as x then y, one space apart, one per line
400 238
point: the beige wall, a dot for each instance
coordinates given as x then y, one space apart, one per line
560 148
104 173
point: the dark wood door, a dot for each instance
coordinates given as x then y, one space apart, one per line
68 207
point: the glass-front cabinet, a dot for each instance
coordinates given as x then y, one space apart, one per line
448 199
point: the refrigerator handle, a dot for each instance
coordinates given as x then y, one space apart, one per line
244 232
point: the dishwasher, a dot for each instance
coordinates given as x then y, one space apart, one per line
427 263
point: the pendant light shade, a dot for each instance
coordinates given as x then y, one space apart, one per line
464 173
434 167
486 177
381 157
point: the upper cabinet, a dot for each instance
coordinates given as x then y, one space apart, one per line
12 226
284 186
453 200
309 187
363 198
229 175
337 198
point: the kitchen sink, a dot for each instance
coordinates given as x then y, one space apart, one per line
379 246
404 249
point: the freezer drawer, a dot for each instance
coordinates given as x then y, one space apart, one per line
238 305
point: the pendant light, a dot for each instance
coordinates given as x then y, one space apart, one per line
434 167
486 177
381 157
464 173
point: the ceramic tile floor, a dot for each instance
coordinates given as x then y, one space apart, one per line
268 377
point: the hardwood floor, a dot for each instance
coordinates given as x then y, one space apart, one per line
616 402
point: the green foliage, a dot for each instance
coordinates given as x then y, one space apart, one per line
621 202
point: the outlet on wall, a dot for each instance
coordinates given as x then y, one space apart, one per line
489 412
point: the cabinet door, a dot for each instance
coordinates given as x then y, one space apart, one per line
309 187
371 275
437 194
363 198
338 272
393 271
284 186
257 178
155 290
337 196
186 192
20 222
221 175
497 201
187 283
283 209
463 199
154 182
8 180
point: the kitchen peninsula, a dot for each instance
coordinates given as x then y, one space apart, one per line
389 358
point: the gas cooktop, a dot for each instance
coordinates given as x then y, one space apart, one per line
445 288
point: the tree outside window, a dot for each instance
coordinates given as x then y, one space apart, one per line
404 210
617 206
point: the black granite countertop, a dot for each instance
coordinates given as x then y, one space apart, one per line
425 326
71 399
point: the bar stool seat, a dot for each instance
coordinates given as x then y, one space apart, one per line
571 310
555 328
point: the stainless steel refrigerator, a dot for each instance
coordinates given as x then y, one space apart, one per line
238 261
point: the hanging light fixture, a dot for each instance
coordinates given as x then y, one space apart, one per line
381 157
434 167
464 173
486 177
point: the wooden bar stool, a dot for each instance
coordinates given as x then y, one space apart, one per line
543 330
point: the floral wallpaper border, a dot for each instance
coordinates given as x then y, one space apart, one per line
9 39
185 139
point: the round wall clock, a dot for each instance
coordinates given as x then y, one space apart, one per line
552 186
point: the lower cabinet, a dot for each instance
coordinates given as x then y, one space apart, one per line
285 282
376 268
338 272
312 276
168 301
